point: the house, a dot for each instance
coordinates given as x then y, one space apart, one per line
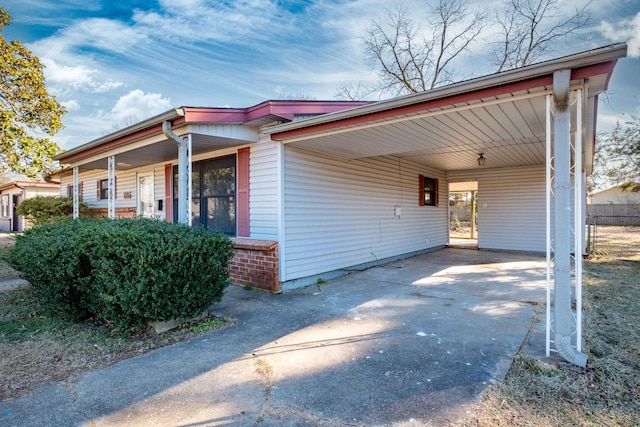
613 206
613 196
313 189
12 193
339 185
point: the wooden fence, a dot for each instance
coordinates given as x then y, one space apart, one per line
614 214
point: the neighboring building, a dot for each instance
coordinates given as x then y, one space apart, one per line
614 196
313 189
13 193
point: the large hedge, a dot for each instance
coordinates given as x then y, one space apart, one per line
125 272
43 209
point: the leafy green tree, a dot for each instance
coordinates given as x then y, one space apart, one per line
44 209
26 109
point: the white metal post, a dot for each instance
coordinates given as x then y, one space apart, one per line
76 199
111 187
563 317
548 221
577 213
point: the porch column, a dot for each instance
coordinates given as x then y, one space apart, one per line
563 316
111 185
76 207
189 181
578 221
473 215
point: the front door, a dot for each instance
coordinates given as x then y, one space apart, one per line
145 195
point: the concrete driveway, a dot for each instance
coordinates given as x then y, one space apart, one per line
415 342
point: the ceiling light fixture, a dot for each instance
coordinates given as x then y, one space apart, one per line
481 160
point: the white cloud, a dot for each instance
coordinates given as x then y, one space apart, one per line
65 79
188 20
70 105
138 104
94 33
624 30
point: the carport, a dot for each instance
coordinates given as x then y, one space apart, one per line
539 118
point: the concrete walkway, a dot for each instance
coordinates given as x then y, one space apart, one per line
412 343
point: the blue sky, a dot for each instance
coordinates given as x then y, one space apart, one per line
110 61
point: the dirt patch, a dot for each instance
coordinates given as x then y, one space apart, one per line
37 349
616 242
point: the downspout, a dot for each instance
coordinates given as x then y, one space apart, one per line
562 214
183 148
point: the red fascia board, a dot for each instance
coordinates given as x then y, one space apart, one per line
604 68
287 109
213 115
420 107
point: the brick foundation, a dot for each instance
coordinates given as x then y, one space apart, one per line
120 212
255 263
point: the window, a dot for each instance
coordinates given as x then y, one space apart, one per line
70 191
5 205
428 194
103 189
213 195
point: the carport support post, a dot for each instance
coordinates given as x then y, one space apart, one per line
473 214
562 216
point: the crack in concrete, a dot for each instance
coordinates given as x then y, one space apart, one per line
265 371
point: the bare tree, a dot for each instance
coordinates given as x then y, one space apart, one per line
411 58
124 122
294 96
354 91
529 29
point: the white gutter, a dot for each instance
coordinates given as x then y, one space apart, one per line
183 178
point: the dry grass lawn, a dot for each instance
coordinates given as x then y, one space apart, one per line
607 391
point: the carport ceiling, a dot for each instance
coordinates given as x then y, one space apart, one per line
509 130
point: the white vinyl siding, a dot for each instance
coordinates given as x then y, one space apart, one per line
340 213
511 207
263 190
126 181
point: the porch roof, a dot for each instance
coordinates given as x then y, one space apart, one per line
210 128
502 115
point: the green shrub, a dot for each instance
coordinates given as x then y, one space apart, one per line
126 271
44 209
